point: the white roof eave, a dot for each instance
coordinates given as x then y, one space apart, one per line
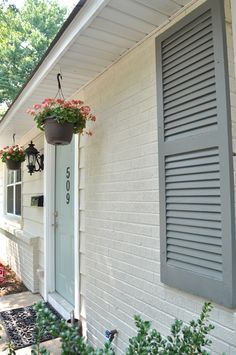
102 30
79 23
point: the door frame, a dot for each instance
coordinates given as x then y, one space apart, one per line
49 293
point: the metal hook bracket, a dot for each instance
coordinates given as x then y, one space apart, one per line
59 78
59 92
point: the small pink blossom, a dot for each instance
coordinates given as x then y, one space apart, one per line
85 109
67 104
47 100
31 111
60 101
36 106
77 102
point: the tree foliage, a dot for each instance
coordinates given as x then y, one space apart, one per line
25 35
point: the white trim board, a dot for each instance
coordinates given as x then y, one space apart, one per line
49 198
49 243
76 228
60 304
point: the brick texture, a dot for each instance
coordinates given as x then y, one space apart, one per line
121 221
22 245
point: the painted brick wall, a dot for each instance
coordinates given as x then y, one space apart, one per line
21 253
22 244
32 215
122 209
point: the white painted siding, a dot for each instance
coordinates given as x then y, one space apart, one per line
121 249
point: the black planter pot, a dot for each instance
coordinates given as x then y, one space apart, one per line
58 133
13 165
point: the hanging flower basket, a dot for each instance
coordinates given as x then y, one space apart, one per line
60 119
58 133
13 165
13 156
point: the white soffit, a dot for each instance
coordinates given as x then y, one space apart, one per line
100 33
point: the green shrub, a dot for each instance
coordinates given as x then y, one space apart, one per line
10 348
71 342
188 339
184 339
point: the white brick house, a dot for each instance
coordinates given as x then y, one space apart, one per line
107 54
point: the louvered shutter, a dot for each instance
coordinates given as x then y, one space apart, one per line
195 156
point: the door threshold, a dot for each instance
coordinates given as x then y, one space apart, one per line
60 304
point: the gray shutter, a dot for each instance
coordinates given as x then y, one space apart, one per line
195 156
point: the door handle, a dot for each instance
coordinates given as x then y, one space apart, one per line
55 215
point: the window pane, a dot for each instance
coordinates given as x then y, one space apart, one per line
10 177
18 175
18 200
10 199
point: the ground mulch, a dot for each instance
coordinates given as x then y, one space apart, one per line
9 281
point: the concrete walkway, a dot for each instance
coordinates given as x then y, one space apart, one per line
22 300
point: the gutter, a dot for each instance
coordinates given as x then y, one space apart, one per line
65 25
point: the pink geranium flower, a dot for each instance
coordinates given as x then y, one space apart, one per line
36 106
71 111
15 153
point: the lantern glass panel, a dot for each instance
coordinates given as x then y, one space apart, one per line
31 159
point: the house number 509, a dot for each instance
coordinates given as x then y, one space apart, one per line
67 185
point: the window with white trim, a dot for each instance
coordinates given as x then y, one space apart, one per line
13 192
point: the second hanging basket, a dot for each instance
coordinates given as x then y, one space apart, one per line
13 165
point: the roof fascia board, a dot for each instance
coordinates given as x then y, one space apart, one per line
79 23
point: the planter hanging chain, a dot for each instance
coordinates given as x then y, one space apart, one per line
13 139
59 92
58 133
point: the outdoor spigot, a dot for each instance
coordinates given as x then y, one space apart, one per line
110 334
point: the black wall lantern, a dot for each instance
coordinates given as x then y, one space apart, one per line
34 157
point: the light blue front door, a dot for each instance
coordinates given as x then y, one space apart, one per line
64 230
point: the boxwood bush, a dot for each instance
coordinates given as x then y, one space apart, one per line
190 339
